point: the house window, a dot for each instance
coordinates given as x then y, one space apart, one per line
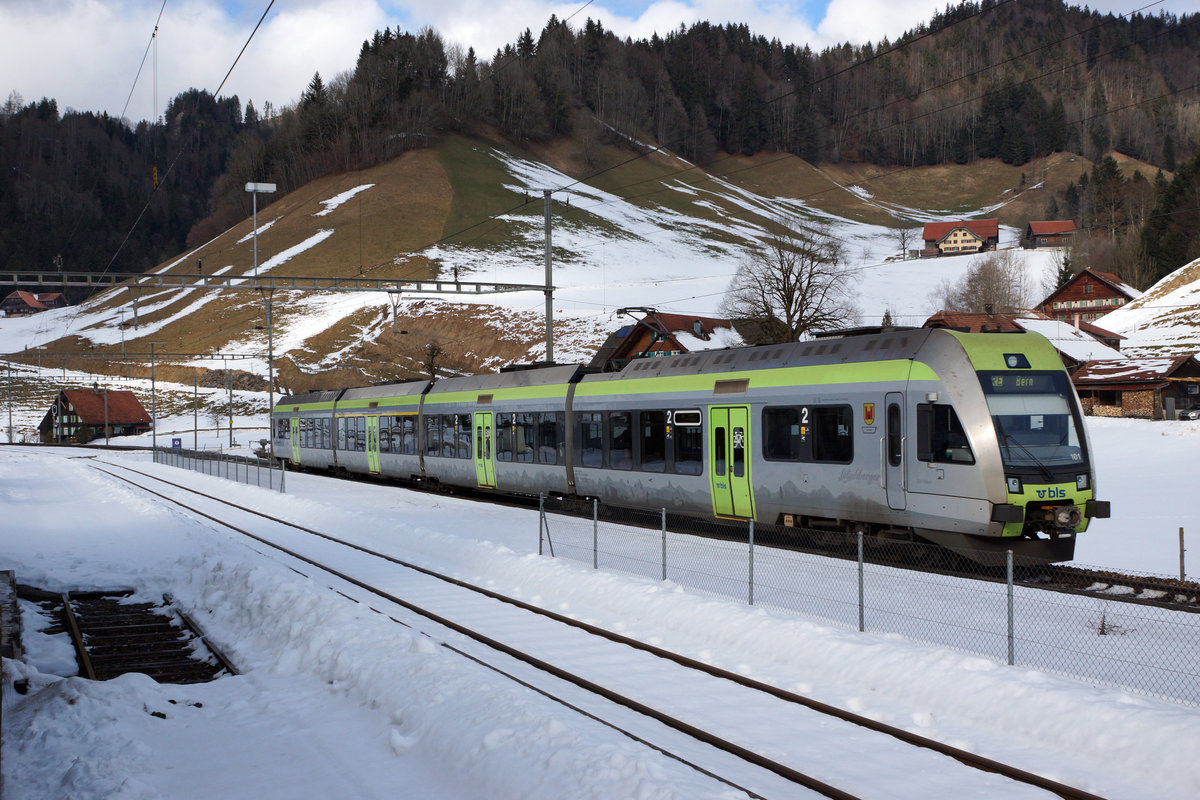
1087 288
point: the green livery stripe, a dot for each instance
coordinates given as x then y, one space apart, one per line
381 402
826 375
554 391
987 350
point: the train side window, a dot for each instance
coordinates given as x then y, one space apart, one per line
360 423
894 438
591 439
653 426
833 434
620 441
781 434
385 434
341 433
547 437
940 436
464 436
504 437
433 435
525 436
689 449
408 435
449 435
326 438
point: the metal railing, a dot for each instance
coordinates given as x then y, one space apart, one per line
899 587
250 470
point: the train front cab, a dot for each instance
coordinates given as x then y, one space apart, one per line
1036 462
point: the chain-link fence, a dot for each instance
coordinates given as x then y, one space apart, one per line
1016 611
250 470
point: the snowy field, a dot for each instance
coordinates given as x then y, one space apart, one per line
335 703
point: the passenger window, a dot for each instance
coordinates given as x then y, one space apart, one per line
781 434
689 449
547 438
940 436
654 440
464 435
591 439
504 437
833 434
620 448
433 435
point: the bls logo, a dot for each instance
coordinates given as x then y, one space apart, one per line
1051 494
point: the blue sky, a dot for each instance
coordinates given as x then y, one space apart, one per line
85 53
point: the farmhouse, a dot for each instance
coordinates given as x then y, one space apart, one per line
79 415
20 304
1088 295
960 237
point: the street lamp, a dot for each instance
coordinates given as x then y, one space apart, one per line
255 189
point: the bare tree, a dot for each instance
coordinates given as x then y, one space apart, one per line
793 283
903 237
999 283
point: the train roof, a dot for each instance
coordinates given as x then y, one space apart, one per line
506 380
309 397
826 351
401 389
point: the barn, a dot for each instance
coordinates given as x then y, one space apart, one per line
80 415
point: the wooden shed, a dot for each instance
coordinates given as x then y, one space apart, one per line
1148 388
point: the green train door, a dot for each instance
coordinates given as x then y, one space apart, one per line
373 445
485 463
296 440
729 461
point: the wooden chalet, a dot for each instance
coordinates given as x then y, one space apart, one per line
1051 233
960 237
21 304
656 335
1148 388
80 415
1088 295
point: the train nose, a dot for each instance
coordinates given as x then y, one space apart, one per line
1067 516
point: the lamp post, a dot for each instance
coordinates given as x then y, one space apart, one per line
255 189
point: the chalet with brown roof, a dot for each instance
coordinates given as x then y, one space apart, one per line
21 304
1088 295
1052 233
1149 388
960 237
79 415
657 334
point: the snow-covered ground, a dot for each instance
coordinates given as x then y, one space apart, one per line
336 702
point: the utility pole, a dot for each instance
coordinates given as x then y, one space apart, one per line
10 425
549 284
153 405
195 412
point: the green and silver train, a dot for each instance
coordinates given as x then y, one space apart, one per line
971 441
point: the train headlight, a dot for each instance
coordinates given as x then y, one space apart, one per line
1081 482
1014 485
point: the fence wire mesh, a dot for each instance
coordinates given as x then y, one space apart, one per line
250 470
1048 617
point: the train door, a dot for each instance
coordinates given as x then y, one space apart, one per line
295 430
729 461
373 445
485 464
894 446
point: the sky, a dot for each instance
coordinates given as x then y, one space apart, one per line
86 53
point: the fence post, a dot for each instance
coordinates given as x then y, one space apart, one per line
861 613
595 533
282 474
1011 654
751 575
1182 550
664 544
542 521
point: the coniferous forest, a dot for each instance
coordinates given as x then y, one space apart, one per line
997 79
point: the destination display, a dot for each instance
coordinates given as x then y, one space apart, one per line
1020 382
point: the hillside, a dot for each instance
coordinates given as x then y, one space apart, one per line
656 231
1165 320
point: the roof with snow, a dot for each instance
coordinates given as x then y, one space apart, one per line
1134 370
1071 342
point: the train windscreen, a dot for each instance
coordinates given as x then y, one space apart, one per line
1034 417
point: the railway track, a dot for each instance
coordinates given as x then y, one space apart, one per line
113 637
558 656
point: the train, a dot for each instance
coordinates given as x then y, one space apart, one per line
970 441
